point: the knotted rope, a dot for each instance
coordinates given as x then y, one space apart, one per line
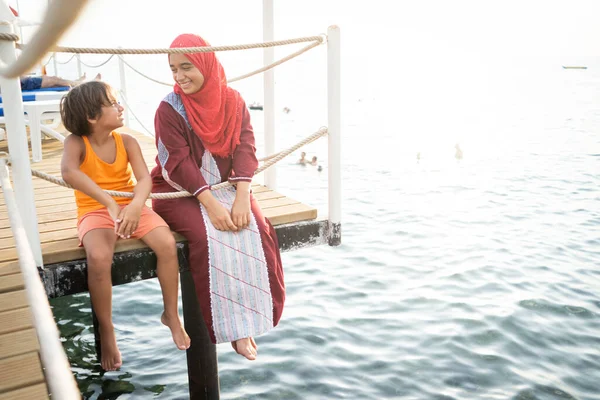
176 195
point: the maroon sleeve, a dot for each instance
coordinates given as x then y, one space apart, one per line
178 166
244 156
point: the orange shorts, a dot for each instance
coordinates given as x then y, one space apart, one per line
100 219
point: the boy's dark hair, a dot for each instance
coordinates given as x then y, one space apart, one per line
84 102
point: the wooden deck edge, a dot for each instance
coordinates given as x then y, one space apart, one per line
138 262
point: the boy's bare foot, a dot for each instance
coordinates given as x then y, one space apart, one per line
246 347
180 336
111 356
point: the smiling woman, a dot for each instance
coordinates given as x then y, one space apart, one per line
186 75
204 137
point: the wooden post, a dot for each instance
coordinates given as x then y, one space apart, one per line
203 372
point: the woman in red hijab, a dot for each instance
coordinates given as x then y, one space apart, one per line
204 137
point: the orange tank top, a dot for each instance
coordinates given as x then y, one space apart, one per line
116 176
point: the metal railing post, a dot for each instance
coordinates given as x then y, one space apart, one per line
334 137
79 69
17 140
269 91
123 87
55 64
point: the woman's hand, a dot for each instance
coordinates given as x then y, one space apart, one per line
240 211
130 218
220 218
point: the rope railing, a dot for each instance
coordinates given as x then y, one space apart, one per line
98 65
237 78
185 50
142 74
11 37
276 63
49 59
124 98
176 195
65 62
57 369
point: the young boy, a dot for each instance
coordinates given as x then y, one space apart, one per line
95 158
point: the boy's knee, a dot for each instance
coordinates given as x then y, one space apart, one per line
99 259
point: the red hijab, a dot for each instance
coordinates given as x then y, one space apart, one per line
214 111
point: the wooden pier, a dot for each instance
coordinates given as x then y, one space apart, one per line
65 271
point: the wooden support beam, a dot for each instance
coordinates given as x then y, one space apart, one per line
139 263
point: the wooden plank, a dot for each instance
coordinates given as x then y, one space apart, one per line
291 213
7 243
278 202
41 203
17 343
9 267
20 371
13 300
8 255
51 210
9 283
267 195
35 392
15 320
49 226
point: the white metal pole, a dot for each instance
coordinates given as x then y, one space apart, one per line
55 64
12 102
79 69
269 89
56 366
123 87
334 129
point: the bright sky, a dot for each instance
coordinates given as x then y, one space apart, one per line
517 27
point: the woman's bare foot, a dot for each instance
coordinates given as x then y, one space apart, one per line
246 347
180 336
111 356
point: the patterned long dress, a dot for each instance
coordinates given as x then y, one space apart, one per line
238 275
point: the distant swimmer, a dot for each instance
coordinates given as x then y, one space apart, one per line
459 153
303 160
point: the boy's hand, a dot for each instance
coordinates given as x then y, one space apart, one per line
130 218
240 211
114 210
